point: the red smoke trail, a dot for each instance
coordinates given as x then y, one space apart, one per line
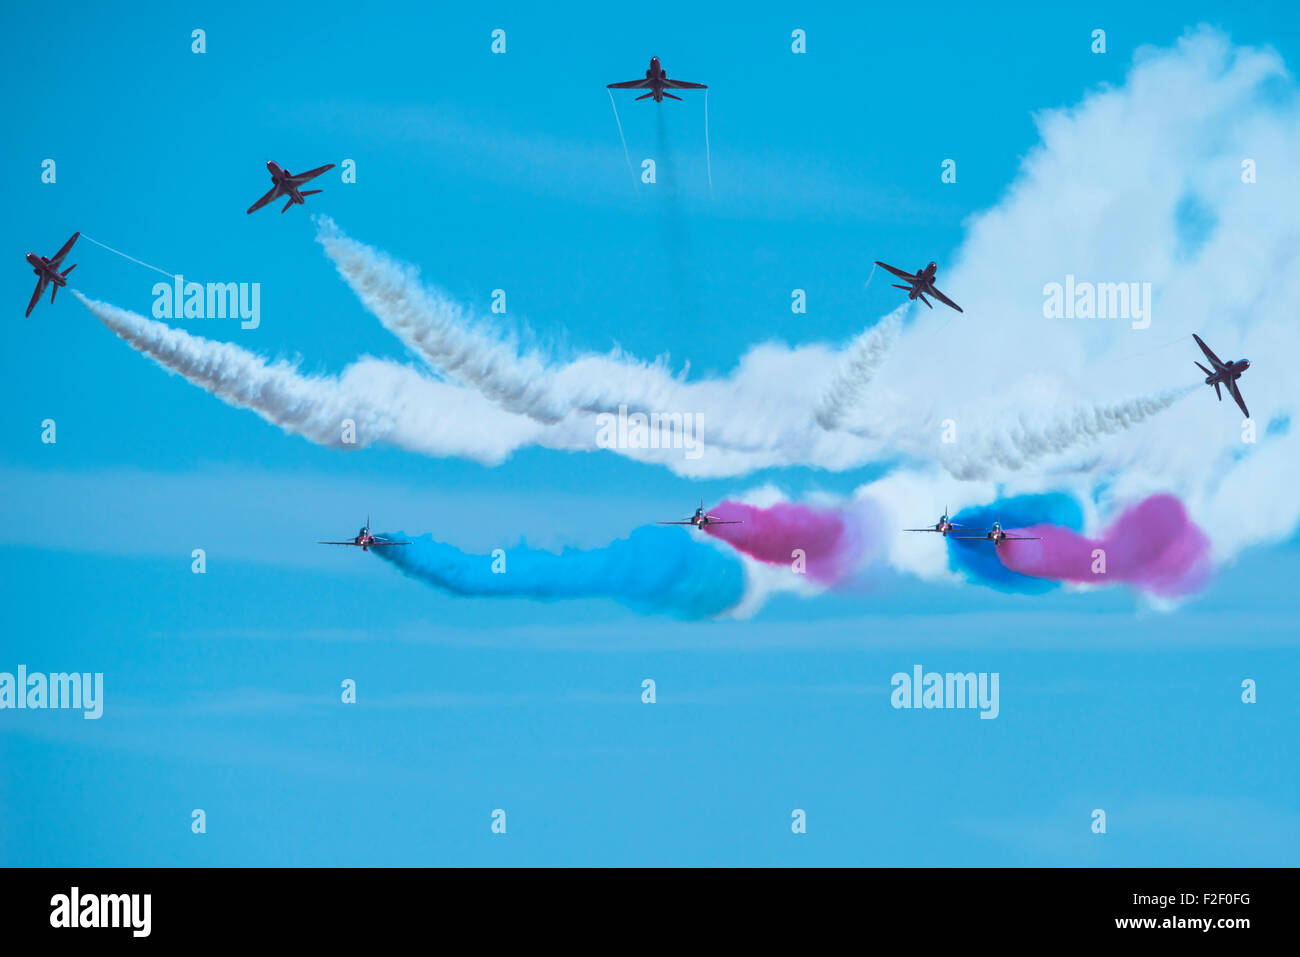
1153 546
833 541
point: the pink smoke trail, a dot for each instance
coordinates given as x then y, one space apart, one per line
835 541
1153 546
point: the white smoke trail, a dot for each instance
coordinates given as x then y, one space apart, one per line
442 333
863 357
765 414
438 329
1025 443
372 401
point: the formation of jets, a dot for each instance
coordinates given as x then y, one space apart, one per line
284 183
657 82
47 272
702 518
365 541
996 535
1224 374
920 284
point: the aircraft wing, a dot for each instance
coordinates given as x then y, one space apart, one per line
920 529
1020 538
337 543
900 273
683 85
674 523
944 299
629 85
58 257
714 521
971 538
1236 394
1218 363
274 192
299 178
373 544
40 288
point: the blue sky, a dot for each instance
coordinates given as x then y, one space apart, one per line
222 690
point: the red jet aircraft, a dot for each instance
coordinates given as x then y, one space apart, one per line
286 184
657 82
365 539
944 526
997 536
47 272
701 518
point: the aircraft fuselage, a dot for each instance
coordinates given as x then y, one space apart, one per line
924 281
41 267
656 75
282 178
1230 370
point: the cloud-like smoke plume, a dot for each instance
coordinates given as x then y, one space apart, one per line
651 570
1153 546
833 543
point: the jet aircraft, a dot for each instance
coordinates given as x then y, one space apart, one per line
286 184
366 540
920 284
47 272
997 536
1224 374
657 82
943 526
702 518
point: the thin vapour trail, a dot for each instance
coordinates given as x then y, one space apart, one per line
708 160
119 252
622 139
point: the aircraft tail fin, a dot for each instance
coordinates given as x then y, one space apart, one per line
54 287
65 272
1202 368
287 205
1217 392
897 286
644 96
666 93
311 192
924 300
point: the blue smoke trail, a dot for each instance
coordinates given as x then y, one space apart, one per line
652 570
979 560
